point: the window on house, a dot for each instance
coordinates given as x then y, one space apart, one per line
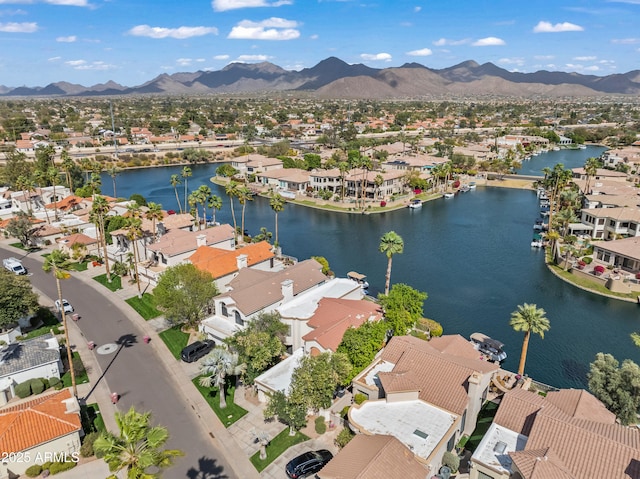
482 475
239 320
452 443
463 420
225 313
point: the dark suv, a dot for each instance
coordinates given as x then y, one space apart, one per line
197 350
308 463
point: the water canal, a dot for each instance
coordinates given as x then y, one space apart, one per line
471 254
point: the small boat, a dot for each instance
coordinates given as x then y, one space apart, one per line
449 195
464 188
537 244
582 147
415 204
556 148
492 349
472 185
361 279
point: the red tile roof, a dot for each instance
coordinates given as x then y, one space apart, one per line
334 316
37 421
220 262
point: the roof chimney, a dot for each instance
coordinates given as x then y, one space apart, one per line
201 240
241 261
287 290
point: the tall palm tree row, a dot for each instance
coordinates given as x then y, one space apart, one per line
244 195
215 203
99 211
186 173
391 243
231 189
529 319
138 447
154 213
58 263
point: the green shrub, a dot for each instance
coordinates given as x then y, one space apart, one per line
587 259
451 460
345 411
54 382
433 327
46 382
321 425
46 465
359 398
57 467
23 390
33 471
343 437
86 450
37 386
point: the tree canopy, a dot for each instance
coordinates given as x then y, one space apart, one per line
184 293
315 380
17 298
361 344
617 386
403 306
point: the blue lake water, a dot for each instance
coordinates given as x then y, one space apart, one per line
471 254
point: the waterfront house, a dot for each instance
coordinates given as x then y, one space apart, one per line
567 434
35 358
285 179
38 429
253 292
427 394
224 264
304 316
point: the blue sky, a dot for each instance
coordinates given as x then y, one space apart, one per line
133 41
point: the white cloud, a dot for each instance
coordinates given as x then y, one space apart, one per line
184 62
270 29
424 52
445 41
314 37
512 61
488 42
585 59
544 57
385 57
84 65
69 39
223 5
254 58
592 68
19 27
221 57
632 2
54 59
547 27
178 33
417 9
625 41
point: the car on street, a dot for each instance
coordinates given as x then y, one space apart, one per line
65 304
308 463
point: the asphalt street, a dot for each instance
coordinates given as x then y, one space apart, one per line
136 372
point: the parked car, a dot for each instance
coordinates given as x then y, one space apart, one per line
65 304
14 265
197 350
308 463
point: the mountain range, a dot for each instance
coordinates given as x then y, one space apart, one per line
334 78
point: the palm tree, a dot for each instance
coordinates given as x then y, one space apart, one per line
591 169
204 194
137 448
98 213
231 189
58 263
186 173
343 166
53 176
277 203
175 181
67 165
154 213
193 200
215 203
244 195
530 319
391 243
40 178
113 172
215 368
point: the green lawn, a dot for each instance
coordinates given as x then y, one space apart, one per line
485 418
590 285
91 418
277 446
145 307
81 377
175 340
228 415
116 281
81 266
49 321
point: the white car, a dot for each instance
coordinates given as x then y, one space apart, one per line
65 304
